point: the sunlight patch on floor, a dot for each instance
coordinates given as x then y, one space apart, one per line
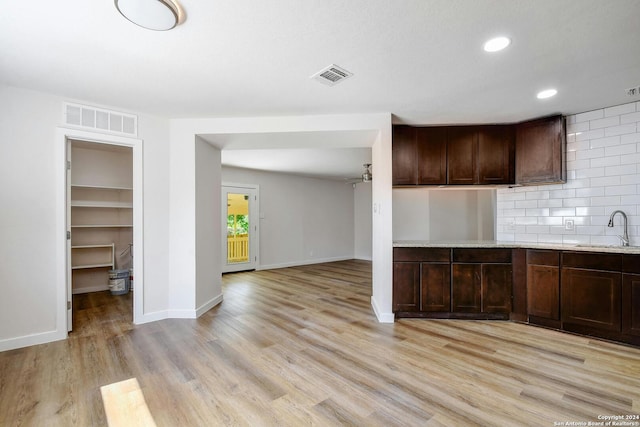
124 404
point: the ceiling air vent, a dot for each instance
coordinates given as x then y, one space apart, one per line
331 75
100 120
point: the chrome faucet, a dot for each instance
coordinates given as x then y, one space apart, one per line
625 235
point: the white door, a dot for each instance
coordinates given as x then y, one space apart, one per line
239 227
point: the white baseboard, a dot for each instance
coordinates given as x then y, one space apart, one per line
208 305
302 262
152 317
90 289
382 317
34 339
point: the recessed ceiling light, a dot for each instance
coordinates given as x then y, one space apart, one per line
548 93
496 44
158 15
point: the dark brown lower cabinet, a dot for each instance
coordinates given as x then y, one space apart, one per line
435 285
592 293
631 304
406 286
421 280
543 288
481 282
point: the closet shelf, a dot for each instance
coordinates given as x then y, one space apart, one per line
99 204
102 226
101 187
80 267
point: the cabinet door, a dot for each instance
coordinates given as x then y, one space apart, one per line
403 156
591 298
465 288
540 151
406 286
543 291
631 304
461 155
496 155
432 155
496 288
436 287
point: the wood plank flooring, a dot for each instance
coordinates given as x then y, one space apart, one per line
301 346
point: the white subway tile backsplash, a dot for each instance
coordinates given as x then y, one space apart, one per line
562 211
590 211
603 174
589 154
605 142
550 203
630 138
605 161
604 123
619 110
620 150
605 201
620 130
620 170
620 190
589 115
630 118
605 181
590 192
562 194
591 134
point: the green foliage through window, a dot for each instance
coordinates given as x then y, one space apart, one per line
237 224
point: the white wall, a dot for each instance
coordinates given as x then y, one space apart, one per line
362 224
29 202
303 220
603 175
443 214
208 232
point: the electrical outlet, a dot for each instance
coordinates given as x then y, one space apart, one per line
568 224
511 225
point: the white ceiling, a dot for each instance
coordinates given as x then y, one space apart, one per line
421 60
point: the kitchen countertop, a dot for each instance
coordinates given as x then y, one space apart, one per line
585 247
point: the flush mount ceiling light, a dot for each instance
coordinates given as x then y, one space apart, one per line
548 93
497 44
157 15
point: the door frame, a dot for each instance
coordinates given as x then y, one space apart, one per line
254 223
63 254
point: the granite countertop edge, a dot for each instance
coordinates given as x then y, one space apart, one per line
581 247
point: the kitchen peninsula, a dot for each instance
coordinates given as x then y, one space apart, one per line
585 289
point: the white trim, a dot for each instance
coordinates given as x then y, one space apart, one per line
382 317
34 339
181 314
364 258
208 305
152 317
62 135
303 262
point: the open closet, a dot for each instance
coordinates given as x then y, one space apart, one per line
100 202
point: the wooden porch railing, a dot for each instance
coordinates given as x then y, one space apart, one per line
238 248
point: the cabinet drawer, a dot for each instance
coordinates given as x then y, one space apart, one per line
592 261
421 254
549 258
482 255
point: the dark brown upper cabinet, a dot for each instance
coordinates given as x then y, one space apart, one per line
541 151
496 145
457 155
404 161
432 155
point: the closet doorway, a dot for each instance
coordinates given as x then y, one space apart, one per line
100 220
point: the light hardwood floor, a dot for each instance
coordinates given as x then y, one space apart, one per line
301 346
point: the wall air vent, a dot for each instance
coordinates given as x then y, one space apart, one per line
100 120
331 75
